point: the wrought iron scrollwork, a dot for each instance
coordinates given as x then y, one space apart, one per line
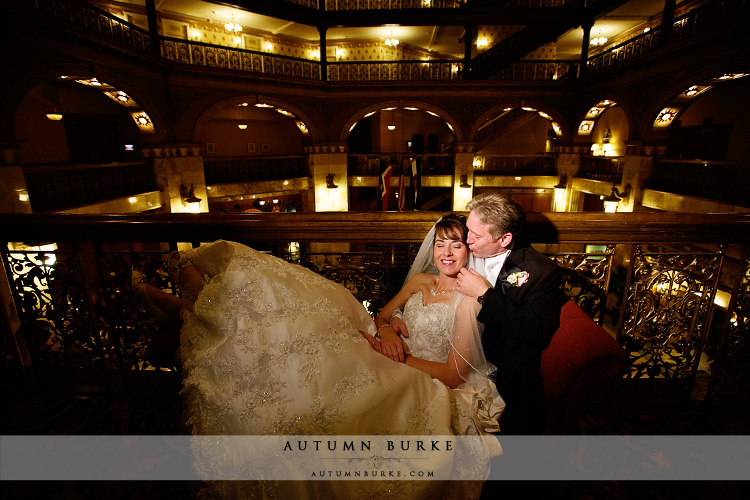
363 274
58 322
732 378
667 310
586 278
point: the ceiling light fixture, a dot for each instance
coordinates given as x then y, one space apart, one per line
600 40
233 27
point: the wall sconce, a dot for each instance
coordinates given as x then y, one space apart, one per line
188 196
242 126
54 116
562 182
612 201
329 182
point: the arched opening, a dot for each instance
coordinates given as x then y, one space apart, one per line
412 145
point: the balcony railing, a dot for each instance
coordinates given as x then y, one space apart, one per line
66 186
714 16
83 16
513 165
672 288
718 181
600 168
426 164
229 170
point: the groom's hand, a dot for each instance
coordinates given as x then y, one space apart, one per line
471 283
399 326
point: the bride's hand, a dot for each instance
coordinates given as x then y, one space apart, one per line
391 345
372 340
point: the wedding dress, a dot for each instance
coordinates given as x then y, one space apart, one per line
272 348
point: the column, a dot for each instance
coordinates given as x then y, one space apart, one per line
14 198
585 47
178 170
463 176
323 49
328 166
153 27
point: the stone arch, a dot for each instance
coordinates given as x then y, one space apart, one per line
43 86
449 120
285 109
540 108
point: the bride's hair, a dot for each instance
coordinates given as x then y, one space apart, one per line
451 226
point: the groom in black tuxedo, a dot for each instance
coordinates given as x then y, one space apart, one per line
519 290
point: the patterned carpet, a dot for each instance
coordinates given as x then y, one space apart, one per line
57 414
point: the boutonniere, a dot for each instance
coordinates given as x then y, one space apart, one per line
518 279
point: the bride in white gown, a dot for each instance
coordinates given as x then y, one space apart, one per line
271 348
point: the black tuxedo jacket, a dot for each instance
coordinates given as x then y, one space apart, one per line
519 322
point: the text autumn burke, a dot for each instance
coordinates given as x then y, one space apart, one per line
390 445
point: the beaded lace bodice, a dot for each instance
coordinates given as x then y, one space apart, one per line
430 328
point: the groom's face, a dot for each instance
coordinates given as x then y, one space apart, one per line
480 241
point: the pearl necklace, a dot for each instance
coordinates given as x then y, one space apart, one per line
438 294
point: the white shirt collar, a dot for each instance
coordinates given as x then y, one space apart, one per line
489 267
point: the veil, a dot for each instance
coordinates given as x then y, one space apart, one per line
478 388
423 262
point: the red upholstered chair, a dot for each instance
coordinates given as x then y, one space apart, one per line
580 365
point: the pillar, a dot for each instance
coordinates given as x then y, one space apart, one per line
177 169
328 166
463 176
14 198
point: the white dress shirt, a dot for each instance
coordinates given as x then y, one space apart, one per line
488 267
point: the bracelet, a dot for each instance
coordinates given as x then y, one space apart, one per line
381 327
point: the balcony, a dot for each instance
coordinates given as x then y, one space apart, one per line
671 288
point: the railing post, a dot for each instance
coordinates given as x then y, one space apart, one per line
585 47
153 27
323 49
667 20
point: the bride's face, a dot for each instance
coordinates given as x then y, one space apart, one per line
450 254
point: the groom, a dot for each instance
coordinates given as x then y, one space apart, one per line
520 296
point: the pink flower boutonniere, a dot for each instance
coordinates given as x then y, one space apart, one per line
518 279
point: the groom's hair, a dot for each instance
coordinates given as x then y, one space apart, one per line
452 226
502 213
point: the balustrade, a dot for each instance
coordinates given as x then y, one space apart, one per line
719 181
672 288
96 21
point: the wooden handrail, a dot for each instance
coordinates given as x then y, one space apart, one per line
584 227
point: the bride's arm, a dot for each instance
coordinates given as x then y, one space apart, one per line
391 344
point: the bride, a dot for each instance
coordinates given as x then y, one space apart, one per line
270 348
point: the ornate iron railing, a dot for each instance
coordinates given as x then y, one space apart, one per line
427 163
714 16
601 168
89 18
345 71
672 288
242 169
95 21
517 165
58 187
720 181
